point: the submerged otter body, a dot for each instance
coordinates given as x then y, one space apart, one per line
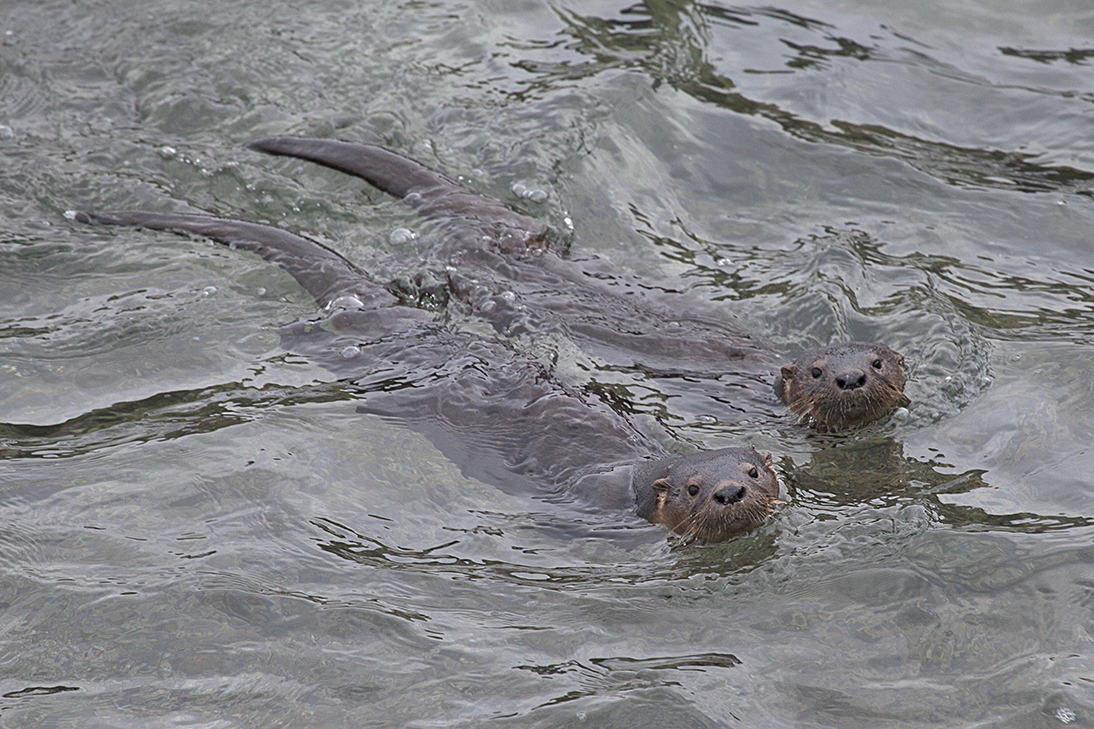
708 364
500 416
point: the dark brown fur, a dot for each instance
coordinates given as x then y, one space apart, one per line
624 322
501 417
709 497
843 385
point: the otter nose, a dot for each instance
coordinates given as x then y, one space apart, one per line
851 379
729 494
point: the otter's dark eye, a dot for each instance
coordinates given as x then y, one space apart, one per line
816 372
877 363
753 472
693 489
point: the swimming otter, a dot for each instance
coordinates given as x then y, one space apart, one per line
498 416
624 322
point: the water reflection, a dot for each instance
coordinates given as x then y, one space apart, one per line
525 564
355 574
610 675
875 471
1075 56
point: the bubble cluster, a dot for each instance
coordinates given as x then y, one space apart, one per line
522 191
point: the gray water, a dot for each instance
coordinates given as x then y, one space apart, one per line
197 528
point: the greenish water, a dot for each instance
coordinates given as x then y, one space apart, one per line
197 529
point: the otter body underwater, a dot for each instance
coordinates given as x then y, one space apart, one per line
500 416
511 277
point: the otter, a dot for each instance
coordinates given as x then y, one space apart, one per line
499 416
624 322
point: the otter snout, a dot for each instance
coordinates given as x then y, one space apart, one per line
850 379
728 493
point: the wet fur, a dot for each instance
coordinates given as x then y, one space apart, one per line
843 385
662 497
500 417
519 285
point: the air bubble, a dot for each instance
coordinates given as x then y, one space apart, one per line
523 191
350 352
402 236
349 301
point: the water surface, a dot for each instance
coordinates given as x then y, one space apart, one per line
197 528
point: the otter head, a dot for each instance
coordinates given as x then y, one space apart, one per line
844 385
708 496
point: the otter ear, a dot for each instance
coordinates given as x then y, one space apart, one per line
661 486
786 374
766 456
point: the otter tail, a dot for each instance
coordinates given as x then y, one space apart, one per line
323 273
433 194
388 171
